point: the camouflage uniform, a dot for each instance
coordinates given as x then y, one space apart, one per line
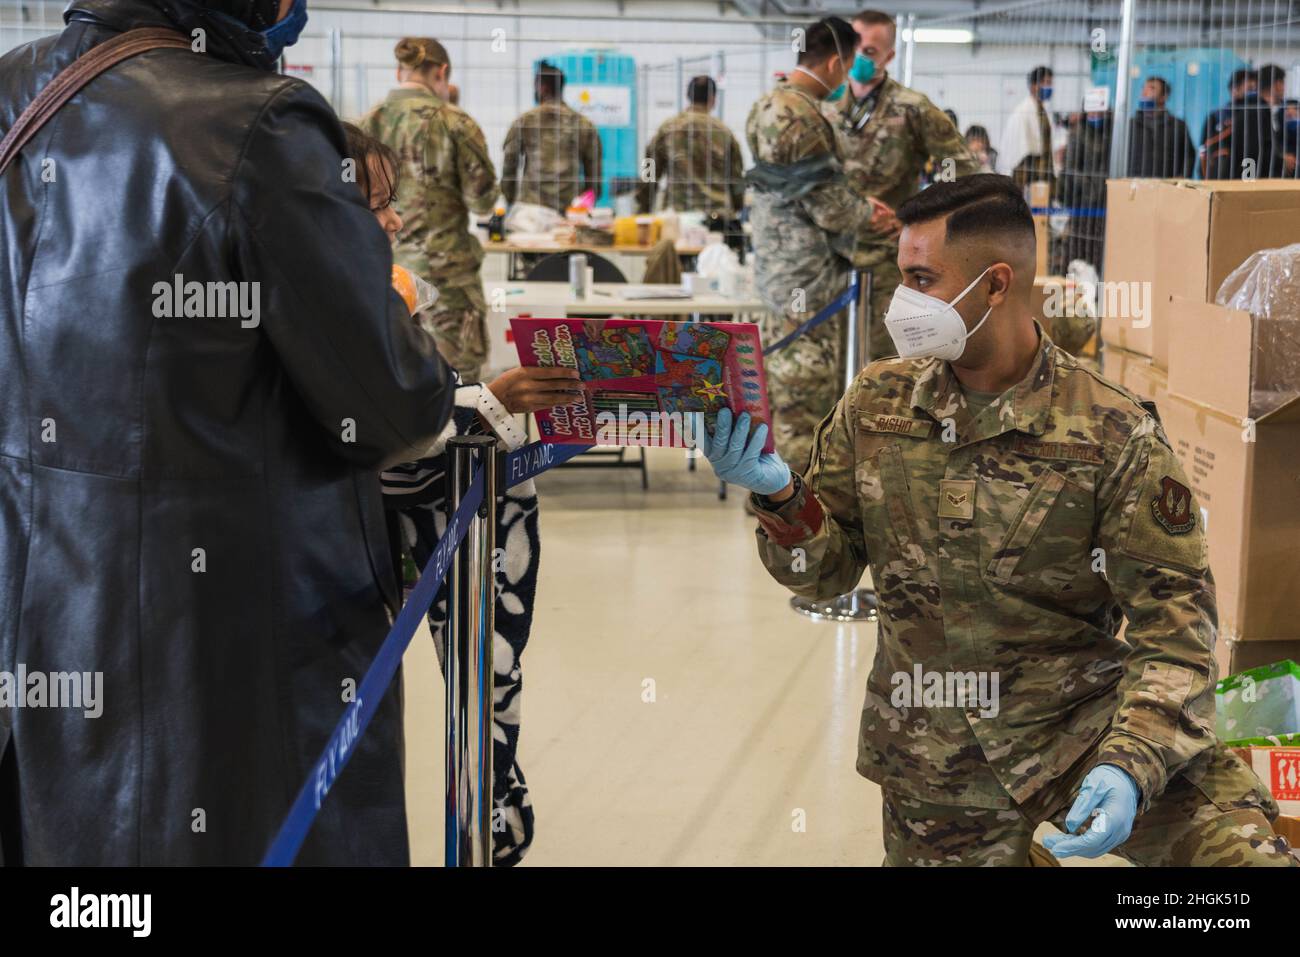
884 158
702 161
1011 543
552 154
446 174
1214 813
801 248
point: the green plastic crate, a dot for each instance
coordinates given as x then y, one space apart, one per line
1260 706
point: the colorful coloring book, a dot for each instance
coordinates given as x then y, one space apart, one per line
643 378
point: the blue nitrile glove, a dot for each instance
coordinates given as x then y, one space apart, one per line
1115 794
738 461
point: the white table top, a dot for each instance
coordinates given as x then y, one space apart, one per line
553 300
555 247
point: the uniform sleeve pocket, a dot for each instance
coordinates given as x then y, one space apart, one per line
1154 709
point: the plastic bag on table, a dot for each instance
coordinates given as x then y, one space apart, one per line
531 218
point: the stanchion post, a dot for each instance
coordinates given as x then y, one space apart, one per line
859 604
471 591
851 334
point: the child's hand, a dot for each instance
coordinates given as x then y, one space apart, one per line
531 389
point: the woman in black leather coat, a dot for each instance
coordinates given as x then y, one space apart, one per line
189 505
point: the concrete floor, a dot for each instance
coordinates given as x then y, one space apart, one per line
675 710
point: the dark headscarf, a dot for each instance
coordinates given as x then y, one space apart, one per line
235 24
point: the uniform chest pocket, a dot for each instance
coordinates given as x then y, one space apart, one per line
887 512
1047 545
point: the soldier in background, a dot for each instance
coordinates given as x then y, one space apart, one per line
885 133
1014 508
552 152
446 174
700 157
805 219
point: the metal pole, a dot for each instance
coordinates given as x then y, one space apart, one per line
851 335
861 603
911 49
1124 62
468 659
336 70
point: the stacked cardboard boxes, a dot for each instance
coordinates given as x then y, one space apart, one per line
1167 238
1221 393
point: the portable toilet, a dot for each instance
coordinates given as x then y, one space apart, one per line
601 85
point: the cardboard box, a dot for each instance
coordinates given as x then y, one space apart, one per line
1040 200
1137 373
1232 361
1182 237
1237 656
1279 771
1246 479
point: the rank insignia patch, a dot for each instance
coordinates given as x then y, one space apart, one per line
957 498
1172 507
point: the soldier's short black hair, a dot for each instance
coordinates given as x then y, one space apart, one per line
1271 73
975 205
1038 74
1164 84
549 78
827 37
701 89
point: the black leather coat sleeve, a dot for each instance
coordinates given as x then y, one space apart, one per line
367 373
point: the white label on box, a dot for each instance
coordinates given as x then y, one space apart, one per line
603 105
1096 99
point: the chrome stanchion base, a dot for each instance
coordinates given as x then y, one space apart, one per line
857 605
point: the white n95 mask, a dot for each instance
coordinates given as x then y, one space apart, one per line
923 325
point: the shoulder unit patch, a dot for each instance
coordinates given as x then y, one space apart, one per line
1172 507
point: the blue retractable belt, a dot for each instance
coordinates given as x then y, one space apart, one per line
520 465
841 301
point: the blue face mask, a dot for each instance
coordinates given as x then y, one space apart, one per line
1146 104
285 33
1096 121
1292 126
864 68
1044 93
